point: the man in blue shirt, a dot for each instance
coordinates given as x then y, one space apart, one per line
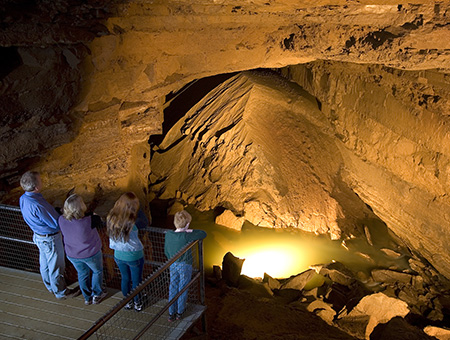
42 218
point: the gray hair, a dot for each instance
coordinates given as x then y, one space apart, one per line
181 219
29 180
74 207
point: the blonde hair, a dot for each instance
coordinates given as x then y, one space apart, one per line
181 219
74 207
122 217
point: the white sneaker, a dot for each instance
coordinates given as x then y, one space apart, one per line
97 298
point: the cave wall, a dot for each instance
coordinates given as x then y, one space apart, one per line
89 86
395 129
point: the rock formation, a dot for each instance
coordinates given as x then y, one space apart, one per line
395 129
83 87
260 147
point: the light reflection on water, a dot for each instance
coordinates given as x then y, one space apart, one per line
282 253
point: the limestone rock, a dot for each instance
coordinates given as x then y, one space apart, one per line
217 271
383 150
379 308
299 281
238 149
390 276
229 220
254 287
323 310
368 235
398 328
410 295
338 272
391 253
437 332
175 207
231 269
273 283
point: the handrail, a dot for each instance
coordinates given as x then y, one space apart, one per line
157 316
100 322
10 207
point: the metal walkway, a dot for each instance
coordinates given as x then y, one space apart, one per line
27 311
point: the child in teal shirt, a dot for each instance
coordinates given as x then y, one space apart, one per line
181 270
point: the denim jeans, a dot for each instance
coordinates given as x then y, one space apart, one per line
90 275
131 272
52 263
180 275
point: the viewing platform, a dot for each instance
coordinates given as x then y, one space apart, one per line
29 311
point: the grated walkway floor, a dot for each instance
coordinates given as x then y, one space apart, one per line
28 311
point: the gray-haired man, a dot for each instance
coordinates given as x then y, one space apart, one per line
42 218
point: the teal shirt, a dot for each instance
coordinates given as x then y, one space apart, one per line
134 248
174 242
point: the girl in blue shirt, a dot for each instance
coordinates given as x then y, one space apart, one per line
128 249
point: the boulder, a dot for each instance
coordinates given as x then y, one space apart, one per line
417 283
229 220
273 283
379 308
354 325
340 296
398 328
299 281
254 287
231 269
368 235
390 276
339 273
438 332
409 295
416 265
288 295
323 310
217 271
391 253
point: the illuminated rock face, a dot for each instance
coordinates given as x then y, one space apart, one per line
86 84
394 126
261 147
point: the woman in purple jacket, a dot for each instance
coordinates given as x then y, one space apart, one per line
83 247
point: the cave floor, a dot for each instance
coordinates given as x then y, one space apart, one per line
234 314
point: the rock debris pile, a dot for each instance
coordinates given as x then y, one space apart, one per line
388 304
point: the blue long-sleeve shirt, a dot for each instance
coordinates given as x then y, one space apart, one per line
40 215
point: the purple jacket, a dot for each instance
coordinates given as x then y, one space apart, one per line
80 239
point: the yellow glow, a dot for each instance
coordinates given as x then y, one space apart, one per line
276 260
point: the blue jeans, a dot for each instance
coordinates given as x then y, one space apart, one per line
131 272
180 275
90 275
52 263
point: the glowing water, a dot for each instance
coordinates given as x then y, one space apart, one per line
281 253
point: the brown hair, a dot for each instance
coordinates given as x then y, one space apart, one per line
122 217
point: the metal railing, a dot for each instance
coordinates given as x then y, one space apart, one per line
18 251
152 322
